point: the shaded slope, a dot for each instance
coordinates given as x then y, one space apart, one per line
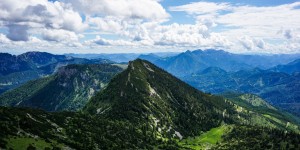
16 70
67 130
68 89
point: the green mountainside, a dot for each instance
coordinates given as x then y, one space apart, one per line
68 89
277 88
145 107
18 69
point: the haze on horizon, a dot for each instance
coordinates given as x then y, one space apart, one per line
143 26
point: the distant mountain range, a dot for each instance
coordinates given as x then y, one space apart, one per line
16 70
278 88
289 68
68 89
270 76
144 107
194 61
121 57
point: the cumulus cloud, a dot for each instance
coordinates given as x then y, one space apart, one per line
20 16
202 7
256 22
17 33
139 9
145 24
4 39
173 35
59 35
106 24
251 44
245 16
104 42
287 33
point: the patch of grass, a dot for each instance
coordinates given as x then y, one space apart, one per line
21 143
206 139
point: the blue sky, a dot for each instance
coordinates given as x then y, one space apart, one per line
120 26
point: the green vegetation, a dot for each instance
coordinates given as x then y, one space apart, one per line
23 143
144 107
278 88
17 70
254 138
68 89
207 139
256 104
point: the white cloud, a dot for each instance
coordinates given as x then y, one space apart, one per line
4 39
21 16
145 24
104 42
251 44
202 7
59 35
153 34
106 24
259 24
17 32
133 9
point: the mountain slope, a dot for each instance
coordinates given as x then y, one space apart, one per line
27 61
10 63
288 68
145 94
16 70
271 86
37 59
68 89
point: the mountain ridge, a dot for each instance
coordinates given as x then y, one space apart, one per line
68 89
194 61
18 69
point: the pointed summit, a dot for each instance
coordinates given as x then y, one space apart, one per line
145 93
151 98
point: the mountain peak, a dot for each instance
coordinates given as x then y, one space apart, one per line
146 94
140 64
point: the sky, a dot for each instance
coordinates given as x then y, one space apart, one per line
143 26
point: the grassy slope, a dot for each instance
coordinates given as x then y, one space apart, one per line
205 140
21 143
